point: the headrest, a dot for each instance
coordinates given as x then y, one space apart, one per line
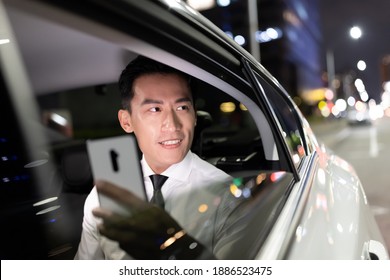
76 170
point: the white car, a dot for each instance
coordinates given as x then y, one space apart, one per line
355 117
59 65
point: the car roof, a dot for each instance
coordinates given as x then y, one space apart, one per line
42 32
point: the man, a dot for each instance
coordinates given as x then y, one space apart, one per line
158 107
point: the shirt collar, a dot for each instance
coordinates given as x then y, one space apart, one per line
179 171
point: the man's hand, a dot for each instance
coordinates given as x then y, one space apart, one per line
149 233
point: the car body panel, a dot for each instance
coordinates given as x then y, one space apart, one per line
335 220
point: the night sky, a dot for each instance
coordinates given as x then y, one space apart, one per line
373 17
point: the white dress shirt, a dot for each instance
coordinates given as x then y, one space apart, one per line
193 212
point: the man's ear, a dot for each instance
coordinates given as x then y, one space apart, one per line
125 121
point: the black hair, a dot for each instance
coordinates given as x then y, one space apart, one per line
141 66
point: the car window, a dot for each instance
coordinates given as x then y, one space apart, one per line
227 135
291 128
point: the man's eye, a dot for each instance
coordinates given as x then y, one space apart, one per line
183 107
155 109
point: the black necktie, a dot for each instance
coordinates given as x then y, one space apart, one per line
158 181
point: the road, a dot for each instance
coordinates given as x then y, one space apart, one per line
367 148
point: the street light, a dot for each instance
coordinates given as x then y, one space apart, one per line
355 32
361 65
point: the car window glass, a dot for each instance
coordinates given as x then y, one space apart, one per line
229 138
288 122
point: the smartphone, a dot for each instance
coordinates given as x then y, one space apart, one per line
116 160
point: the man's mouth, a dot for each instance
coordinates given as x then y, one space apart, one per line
170 142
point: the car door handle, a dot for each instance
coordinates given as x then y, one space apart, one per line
374 250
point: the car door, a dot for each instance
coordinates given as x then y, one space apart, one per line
243 140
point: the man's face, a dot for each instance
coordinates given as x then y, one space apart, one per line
162 118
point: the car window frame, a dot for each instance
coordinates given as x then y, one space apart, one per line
271 91
271 117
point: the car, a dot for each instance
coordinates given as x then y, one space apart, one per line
291 197
359 115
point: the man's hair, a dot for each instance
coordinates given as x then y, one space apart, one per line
142 66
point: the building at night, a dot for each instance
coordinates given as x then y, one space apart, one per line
288 37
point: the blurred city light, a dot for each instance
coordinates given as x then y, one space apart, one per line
341 105
325 112
321 105
361 65
326 108
361 89
203 208
360 106
223 3
329 94
386 86
268 35
359 85
243 108
364 96
240 40
312 96
355 32
227 107
229 33
335 111
351 101
385 103
375 111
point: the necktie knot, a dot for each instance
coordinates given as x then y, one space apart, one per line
158 181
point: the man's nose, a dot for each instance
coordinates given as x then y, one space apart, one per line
171 121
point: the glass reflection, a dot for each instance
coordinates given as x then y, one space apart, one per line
233 219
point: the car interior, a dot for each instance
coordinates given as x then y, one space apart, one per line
73 75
